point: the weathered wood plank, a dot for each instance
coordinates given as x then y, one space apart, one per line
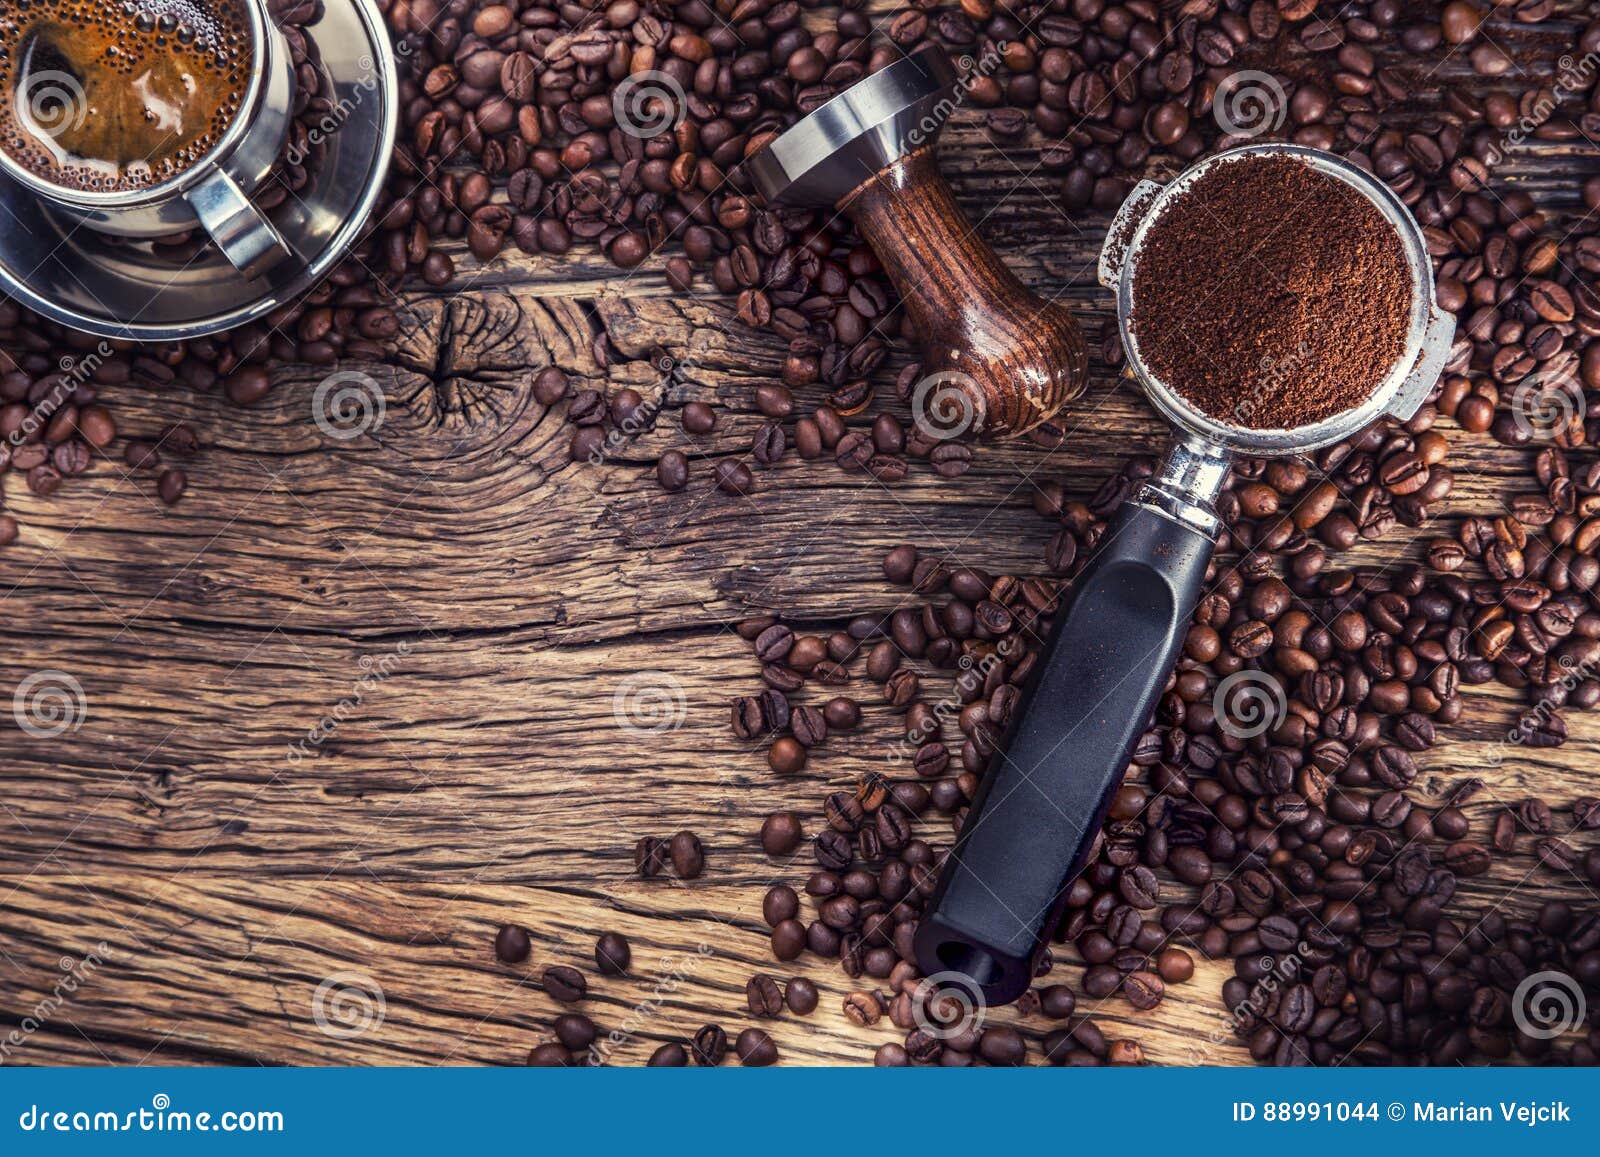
484 778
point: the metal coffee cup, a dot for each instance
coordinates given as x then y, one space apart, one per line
213 193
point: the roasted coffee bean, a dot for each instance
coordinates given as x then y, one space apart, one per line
564 984
756 1049
781 833
688 856
512 944
669 1056
710 1046
612 954
650 856
763 996
801 996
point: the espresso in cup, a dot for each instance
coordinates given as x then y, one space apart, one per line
105 96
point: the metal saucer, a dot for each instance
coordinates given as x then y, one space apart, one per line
118 288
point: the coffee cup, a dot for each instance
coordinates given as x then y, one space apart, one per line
210 189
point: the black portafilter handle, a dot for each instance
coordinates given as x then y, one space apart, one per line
1033 824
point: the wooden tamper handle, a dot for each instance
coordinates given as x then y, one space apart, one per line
1014 358
1023 356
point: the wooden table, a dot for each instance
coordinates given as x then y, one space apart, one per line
466 607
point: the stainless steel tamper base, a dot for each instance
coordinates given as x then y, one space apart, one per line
123 289
858 133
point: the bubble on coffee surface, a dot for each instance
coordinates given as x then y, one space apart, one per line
105 97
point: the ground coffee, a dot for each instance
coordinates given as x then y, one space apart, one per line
1271 295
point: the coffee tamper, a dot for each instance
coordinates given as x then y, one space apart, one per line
1035 820
869 152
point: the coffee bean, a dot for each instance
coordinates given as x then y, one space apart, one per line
650 856
512 944
688 856
699 418
710 1046
550 1055
801 996
669 1056
672 471
763 996
756 1049
612 955
781 833
564 984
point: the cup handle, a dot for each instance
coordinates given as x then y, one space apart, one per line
251 242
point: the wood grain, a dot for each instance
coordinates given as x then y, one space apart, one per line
505 598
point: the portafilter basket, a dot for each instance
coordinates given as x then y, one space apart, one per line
1035 821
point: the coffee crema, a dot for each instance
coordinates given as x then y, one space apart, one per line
105 96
